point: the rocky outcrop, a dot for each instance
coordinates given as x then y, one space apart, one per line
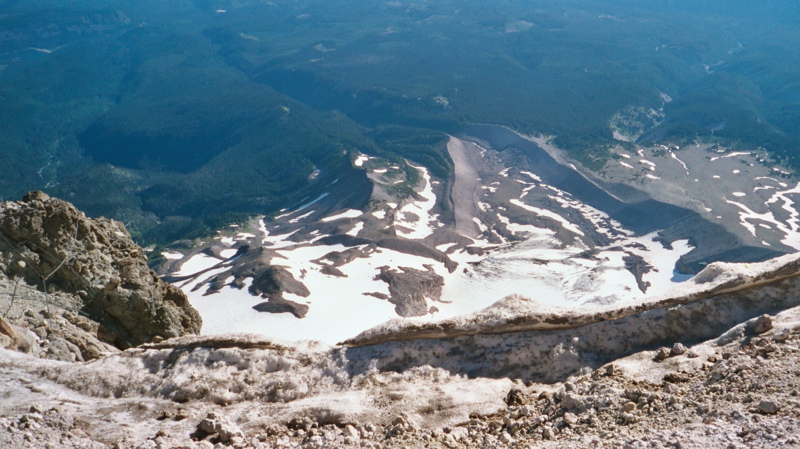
638 268
272 283
95 268
409 287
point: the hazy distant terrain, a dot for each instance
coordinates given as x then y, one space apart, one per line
176 117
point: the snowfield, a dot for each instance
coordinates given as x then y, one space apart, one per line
546 263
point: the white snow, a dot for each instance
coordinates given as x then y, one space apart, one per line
482 227
300 217
227 253
333 300
356 229
424 224
360 160
546 213
196 263
790 229
171 255
279 241
350 213
444 247
533 176
781 171
734 154
625 164
649 176
674 156
529 229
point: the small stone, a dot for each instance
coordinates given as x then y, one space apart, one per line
272 430
548 433
524 410
36 195
678 349
351 432
515 397
662 354
676 377
505 438
629 418
762 324
207 425
570 419
544 395
226 430
782 336
629 406
768 407
569 387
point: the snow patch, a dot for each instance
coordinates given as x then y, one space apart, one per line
424 224
359 162
350 213
171 255
734 154
356 229
546 213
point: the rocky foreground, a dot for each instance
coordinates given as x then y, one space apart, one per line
715 367
76 288
740 390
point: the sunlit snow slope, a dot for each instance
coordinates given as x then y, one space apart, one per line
512 220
